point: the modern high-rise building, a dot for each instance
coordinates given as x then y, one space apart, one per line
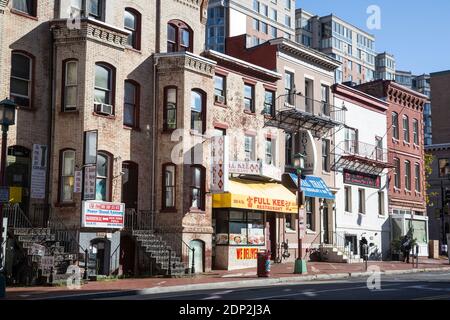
385 66
404 78
350 45
261 20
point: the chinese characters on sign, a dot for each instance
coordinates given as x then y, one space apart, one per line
38 172
97 214
78 182
220 171
90 176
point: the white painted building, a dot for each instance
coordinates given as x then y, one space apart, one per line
361 167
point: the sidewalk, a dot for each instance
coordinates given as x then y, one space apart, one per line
220 279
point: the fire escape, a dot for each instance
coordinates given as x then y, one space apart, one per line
360 157
296 112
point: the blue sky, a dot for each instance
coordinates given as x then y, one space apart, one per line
417 32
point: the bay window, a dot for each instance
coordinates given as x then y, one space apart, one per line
170 108
168 186
198 111
70 89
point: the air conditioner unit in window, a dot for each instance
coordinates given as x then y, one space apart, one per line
220 99
103 108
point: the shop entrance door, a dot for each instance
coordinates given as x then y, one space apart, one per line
325 226
101 249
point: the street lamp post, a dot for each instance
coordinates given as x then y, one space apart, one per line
7 118
300 264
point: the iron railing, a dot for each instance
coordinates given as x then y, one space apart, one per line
337 240
145 220
321 109
362 149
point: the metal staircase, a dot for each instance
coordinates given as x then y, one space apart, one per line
166 253
45 248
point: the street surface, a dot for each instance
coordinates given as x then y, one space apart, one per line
419 286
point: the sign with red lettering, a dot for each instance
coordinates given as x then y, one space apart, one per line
246 253
362 179
98 214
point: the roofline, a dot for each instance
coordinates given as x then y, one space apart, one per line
439 73
219 55
333 64
346 91
397 86
437 147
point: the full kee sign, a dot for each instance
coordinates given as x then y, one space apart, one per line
264 204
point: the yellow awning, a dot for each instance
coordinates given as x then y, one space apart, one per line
259 196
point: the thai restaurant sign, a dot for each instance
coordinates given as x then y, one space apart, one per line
245 167
106 215
361 179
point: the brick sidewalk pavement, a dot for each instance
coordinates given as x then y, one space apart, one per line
277 271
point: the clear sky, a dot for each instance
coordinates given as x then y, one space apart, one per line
417 32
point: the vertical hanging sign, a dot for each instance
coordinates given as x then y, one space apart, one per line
38 171
220 162
90 164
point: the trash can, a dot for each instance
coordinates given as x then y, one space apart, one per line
263 259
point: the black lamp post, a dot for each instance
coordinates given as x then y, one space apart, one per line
7 118
300 264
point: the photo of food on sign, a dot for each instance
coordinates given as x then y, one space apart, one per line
222 238
238 239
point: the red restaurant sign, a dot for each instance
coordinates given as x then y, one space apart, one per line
362 179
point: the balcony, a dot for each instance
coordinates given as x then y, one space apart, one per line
360 157
296 112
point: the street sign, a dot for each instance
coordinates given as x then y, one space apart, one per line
4 194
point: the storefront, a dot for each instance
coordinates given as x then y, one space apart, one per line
243 223
404 222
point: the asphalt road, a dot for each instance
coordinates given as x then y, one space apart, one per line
419 286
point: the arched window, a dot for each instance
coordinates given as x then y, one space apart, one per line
70 88
179 36
168 190
132 23
131 104
21 78
103 181
67 178
104 92
198 111
170 108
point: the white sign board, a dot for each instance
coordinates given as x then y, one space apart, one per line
47 263
38 171
220 171
77 186
103 215
245 167
90 176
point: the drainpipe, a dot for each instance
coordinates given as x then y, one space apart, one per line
51 119
154 137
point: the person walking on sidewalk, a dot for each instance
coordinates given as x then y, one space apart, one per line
406 247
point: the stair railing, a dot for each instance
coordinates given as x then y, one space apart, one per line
145 220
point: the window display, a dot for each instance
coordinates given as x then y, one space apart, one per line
239 228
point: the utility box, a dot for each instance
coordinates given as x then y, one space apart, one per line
433 248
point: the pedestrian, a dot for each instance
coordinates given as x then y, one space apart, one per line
406 248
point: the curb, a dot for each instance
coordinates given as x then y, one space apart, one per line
241 284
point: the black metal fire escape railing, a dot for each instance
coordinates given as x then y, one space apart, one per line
296 112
